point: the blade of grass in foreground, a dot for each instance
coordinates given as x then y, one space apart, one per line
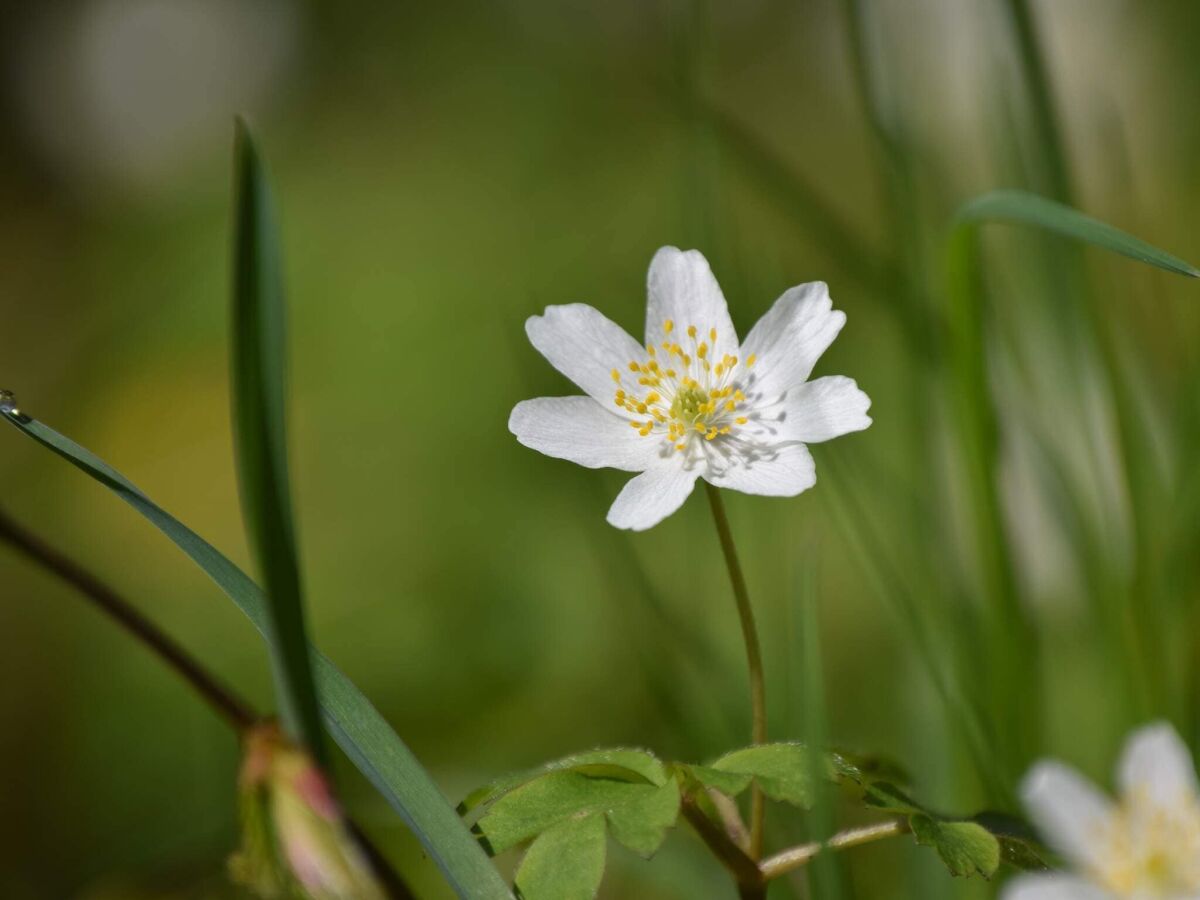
355 724
1013 662
261 440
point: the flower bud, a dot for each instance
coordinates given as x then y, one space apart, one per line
295 842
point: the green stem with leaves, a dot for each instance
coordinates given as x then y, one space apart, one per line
758 694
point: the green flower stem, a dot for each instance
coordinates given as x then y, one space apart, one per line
794 858
758 697
228 705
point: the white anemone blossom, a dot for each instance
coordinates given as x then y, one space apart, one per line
1146 845
692 402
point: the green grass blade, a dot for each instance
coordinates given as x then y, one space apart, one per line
258 328
355 724
1024 208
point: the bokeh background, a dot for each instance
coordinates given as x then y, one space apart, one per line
445 171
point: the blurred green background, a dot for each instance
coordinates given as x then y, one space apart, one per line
445 171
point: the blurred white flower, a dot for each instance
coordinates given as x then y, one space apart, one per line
692 403
1145 846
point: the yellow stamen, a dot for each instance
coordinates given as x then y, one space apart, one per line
669 326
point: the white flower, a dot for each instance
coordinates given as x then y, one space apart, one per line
1145 846
692 403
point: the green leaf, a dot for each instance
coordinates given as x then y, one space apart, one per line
781 770
1019 846
354 723
533 807
1023 208
642 824
566 862
889 798
729 783
618 763
966 848
261 440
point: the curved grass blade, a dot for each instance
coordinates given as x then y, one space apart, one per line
355 724
260 442
1024 208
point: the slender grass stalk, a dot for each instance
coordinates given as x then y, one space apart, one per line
233 709
758 695
1037 87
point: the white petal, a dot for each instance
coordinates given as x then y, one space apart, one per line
1069 810
782 470
1157 766
681 287
652 496
790 338
578 429
820 410
1053 887
584 345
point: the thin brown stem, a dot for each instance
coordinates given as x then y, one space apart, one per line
224 702
745 870
795 857
228 705
758 698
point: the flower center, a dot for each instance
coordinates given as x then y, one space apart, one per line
1153 852
685 391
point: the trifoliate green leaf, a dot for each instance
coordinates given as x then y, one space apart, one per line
621 764
566 862
729 783
781 770
642 824
540 804
967 848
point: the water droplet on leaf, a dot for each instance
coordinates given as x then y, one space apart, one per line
8 407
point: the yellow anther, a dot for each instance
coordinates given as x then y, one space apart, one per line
720 368
739 396
712 335
725 429
681 446
741 420
650 349
616 375
666 345
653 365
641 407
699 428
714 393
711 434
687 360
652 397
634 367
702 350
670 373
730 406
751 359
635 424
669 326
691 331
646 430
